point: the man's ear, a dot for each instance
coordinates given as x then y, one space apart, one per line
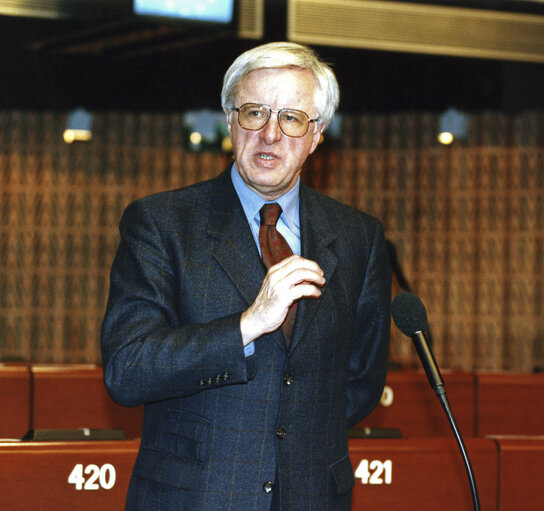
317 137
228 114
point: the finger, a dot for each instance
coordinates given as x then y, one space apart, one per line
304 290
294 262
296 270
300 276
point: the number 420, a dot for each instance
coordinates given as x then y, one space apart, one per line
99 477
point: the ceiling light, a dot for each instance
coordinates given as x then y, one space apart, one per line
78 126
453 125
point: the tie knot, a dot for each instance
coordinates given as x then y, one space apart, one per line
270 214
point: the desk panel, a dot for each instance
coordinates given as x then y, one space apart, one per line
422 474
404 474
510 404
14 400
410 405
521 473
69 397
65 476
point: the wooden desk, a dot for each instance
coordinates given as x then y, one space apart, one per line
65 476
521 473
69 397
410 405
404 474
14 400
510 404
422 474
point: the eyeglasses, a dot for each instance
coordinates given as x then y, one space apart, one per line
253 117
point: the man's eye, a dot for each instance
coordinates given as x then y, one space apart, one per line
255 113
292 118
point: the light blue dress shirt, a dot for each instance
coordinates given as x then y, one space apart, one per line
288 223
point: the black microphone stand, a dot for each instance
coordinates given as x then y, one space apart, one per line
464 454
437 383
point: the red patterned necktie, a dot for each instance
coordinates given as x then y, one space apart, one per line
274 249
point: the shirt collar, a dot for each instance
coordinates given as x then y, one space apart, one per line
252 202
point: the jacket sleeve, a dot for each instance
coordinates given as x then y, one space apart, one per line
368 362
147 354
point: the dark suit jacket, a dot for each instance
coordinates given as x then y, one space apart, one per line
218 426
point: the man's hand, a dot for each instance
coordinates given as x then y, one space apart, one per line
289 280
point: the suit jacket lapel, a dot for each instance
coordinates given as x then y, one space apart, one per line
235 251
316 234
237 254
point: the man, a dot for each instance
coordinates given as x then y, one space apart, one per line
240 415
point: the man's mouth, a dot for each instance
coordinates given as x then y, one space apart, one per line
265 156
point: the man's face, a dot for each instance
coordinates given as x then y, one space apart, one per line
268 160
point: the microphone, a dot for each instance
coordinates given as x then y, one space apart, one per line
411 319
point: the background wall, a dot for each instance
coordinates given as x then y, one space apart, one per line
466 221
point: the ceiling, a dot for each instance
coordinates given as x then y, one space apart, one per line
123 63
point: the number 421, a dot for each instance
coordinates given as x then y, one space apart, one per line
375 472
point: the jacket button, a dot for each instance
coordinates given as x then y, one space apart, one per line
287 379
281 433
268 487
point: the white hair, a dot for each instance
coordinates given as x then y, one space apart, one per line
280 55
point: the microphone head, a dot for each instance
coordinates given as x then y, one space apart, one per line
409 313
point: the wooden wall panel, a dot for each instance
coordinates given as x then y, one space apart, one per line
467 223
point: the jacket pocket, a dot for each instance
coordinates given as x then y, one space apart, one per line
342 474
168 470
183 434
178 452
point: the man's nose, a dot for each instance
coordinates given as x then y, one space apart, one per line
271 131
